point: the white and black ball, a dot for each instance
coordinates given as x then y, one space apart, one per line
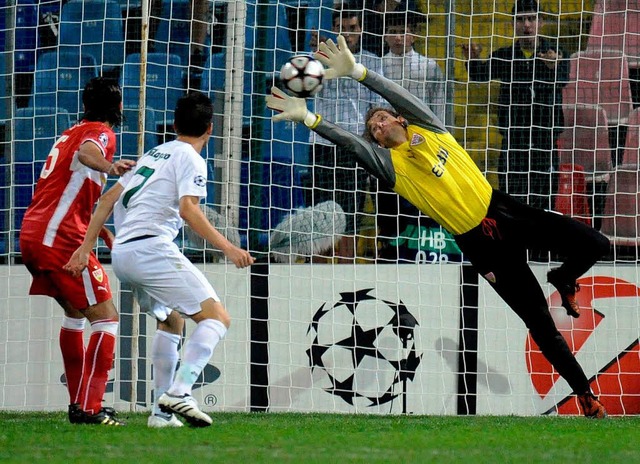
302 76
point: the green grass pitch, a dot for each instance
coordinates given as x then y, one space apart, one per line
323 438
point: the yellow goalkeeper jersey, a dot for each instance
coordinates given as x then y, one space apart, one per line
436 174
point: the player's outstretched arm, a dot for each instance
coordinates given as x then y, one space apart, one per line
290 108
90 155
192 214
374 159
339 60
80 257
341 63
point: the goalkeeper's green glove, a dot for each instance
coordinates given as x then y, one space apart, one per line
339 60
290 108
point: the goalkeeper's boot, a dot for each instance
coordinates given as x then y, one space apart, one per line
75 413
185 406
567 291
106 416
591 407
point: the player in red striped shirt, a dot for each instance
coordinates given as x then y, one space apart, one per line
53 227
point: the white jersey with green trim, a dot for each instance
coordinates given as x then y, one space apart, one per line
150 202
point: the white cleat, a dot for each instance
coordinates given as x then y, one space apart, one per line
158 422
185 406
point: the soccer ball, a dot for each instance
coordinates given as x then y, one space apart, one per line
302 76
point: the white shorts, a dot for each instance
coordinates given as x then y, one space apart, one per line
162 277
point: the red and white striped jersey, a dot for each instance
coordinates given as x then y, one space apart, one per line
67 190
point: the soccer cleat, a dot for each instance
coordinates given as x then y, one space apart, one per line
106 416
567 291
185 406
591 407
75 413
158 422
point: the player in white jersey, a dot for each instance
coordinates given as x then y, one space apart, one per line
152 203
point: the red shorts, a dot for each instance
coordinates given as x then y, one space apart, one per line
49 279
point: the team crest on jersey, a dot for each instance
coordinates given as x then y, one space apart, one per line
104 139
98 275
200 181
416 139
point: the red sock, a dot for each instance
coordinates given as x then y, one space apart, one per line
98 361
72 348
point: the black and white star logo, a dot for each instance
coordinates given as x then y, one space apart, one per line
200 181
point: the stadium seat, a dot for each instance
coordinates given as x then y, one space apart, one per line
25 36
267 28
584 148
571 198
93 27
256 81
36 130
59 80
214 81
621 221
318 17
631 154
267 34
600 77
586 141
164 84
128 133
616 25
277 171
4 105
174 33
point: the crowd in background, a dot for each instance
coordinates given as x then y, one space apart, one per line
382 35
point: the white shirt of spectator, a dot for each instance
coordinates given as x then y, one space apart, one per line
419 75
345 101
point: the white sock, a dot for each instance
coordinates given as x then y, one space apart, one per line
73 324
197 352
164 358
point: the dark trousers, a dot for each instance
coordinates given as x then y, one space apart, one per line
497 248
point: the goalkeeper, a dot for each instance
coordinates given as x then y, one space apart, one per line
411 151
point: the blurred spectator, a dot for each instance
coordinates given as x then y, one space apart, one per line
201 16
533 73
336 175
422 77
375 15
415 72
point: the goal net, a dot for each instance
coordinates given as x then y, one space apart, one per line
358 302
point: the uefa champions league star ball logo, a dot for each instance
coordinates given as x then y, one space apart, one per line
365 348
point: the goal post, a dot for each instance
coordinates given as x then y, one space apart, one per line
376 312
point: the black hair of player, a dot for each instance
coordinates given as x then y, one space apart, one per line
194 112
102 99
367 135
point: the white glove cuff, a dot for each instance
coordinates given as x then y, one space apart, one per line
358 72
310 119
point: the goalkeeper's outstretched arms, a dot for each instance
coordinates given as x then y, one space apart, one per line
340 62
375 159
